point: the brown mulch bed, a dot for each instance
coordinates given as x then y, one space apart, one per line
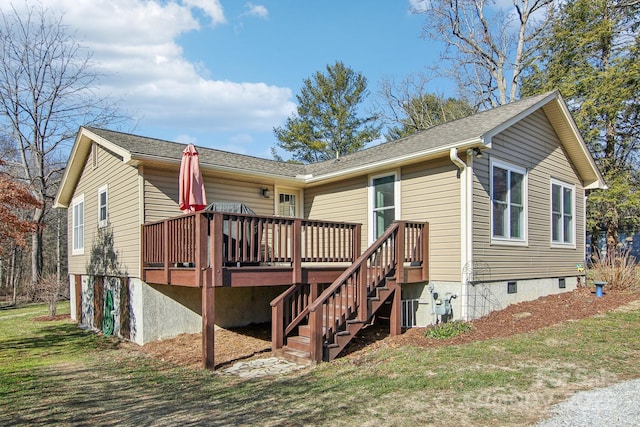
253 341
523 317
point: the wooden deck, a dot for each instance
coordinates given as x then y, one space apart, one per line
246 250
321 261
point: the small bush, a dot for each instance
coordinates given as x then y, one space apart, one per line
448 330
49 290
617 268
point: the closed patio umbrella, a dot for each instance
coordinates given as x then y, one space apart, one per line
191 197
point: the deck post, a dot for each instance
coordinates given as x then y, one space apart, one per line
215 248
201 247
357 242
315 327
425 252
314 292
165 247
361 291
297 252
277 325
400 255
395 322
208 323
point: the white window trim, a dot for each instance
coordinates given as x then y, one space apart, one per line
572 187
370 203
80 249
103 222
524 241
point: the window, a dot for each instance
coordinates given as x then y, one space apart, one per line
78 225
383 203
508 202
562 213
102 206
287 205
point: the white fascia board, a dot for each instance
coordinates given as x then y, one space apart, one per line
125 154
599 183
474 142
64 182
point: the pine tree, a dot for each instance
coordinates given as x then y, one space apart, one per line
327 124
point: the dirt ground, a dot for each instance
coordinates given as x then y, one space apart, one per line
253 341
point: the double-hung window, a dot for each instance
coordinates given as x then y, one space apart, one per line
384 203
508 203
78 225
102 206
562 213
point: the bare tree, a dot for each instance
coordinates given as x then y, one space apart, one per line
47 90
406 106
486 46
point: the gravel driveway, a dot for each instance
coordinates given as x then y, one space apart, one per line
617 405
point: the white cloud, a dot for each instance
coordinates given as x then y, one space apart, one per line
212 8
135 46
418 6
256 10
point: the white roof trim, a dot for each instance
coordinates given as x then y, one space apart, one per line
395 160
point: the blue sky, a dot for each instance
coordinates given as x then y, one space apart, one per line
223 73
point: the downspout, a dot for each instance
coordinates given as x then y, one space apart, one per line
466 224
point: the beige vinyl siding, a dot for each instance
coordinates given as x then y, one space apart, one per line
344 201
122 211
161 193
431 192
531 144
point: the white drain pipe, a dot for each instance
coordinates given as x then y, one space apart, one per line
466 224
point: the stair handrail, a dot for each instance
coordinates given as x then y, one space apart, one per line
397 231
365 255
353 267
354 304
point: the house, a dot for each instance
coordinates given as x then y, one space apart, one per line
449 223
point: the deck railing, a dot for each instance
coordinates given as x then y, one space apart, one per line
217 239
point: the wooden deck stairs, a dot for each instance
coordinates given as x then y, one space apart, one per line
310 328
298 347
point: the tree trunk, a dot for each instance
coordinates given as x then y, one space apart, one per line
12 277
36 247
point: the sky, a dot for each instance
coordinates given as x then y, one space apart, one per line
223 73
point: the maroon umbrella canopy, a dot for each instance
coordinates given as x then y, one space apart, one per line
192 196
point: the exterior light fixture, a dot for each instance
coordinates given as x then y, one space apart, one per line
265 193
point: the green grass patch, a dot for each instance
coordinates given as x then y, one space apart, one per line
448 330
55 373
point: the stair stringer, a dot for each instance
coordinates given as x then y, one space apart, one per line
352 326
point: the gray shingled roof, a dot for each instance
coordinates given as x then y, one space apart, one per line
140 146
445 135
